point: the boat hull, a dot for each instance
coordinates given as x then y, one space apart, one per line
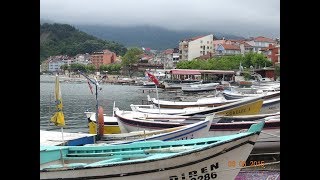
265 143
211 162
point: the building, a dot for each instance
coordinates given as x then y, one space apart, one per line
227 49
242 44
195 47
82 59
55 62
272 53
103 58
54 65
260 42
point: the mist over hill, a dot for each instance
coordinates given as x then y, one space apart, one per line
146 36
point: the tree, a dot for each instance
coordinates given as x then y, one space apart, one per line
91 68
75 67
227 62
64 67
131 57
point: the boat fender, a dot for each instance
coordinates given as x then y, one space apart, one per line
100 122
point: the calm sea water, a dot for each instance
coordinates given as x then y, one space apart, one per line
77 98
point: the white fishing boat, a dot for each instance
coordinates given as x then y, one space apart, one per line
269 142
236 94
152 109
202 102
201 158
190 131
267 105
200 87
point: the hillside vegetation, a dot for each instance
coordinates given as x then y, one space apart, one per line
63 39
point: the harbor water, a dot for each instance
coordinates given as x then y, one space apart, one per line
77 98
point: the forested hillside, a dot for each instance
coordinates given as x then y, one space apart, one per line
63 39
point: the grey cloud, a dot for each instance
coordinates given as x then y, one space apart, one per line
240 17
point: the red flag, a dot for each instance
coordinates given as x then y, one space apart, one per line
90 87
153 78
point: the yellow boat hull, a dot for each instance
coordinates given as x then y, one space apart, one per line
108 129
247 109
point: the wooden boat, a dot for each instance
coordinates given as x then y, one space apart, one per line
223 125
179 85
190 131
246 106
202 102
54 138
269 104
203 158
233 94
200 87
148 84
152 109
110 123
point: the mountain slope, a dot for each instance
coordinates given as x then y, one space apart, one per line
63 39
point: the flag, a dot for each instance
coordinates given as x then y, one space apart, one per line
153 78
90 87
58 117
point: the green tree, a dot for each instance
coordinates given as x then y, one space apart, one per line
64 67
78 67
227 62
131 57
90 68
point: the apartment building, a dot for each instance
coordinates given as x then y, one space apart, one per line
103 57
195 47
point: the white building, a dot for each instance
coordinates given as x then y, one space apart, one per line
195 47
54 65
260 42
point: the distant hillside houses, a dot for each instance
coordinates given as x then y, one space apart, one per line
205 47
53 63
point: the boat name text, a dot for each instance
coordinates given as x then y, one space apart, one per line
204 173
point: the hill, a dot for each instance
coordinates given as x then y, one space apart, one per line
63 39
145 36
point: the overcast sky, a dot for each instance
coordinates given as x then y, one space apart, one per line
238 17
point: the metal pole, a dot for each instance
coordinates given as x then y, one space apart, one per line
97 105
158 99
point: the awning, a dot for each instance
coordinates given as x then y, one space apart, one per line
185 72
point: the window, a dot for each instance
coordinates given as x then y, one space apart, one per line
200 52
200 46
207 42
207 47
200 41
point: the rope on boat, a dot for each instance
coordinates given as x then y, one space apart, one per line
270 134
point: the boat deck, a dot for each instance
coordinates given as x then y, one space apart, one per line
54 138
